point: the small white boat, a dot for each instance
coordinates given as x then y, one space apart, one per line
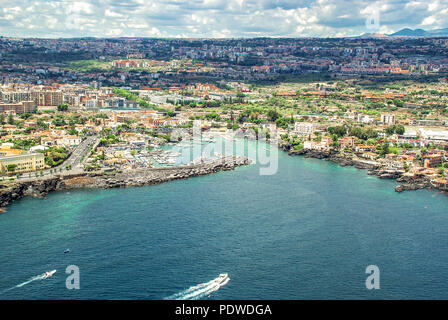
48 274
223 278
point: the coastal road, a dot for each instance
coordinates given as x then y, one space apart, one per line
74 160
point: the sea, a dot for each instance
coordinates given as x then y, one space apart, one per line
309 230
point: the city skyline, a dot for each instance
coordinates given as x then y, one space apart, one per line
216 18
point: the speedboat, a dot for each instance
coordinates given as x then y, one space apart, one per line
49 274
67 250
222 277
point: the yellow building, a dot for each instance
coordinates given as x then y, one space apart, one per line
9 151
22 163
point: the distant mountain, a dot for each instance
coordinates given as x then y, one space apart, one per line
372 35
407 32
439 32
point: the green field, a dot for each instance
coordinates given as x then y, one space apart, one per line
88 65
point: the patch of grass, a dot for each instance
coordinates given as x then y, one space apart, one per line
88 65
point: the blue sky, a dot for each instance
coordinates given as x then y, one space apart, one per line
216 18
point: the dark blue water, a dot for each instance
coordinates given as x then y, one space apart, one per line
307 232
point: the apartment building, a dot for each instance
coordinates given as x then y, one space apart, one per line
432 160
15 96
304 128
22 163
47 97
21 107
388 119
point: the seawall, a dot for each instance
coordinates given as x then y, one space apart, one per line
14 190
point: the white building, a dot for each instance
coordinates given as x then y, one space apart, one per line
70 140
304 128
363 118
388 119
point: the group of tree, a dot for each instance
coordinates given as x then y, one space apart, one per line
109 139
363 133
63 107
284 122
130 96
398 129
59 121
213 116
339 131
55 156
9 121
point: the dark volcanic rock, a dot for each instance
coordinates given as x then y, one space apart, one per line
41 187
411 186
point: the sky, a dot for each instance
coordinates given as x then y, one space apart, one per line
216 18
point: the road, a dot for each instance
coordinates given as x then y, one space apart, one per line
74 160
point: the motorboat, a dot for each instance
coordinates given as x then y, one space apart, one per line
222 278
48 274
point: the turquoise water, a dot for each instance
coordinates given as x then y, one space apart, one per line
307 232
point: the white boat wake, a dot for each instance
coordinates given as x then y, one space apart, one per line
201 290
42 276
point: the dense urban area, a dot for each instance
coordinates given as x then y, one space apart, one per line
72 106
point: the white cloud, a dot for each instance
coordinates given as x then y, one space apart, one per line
113 14
428 21
215 18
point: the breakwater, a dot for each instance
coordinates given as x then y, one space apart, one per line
14 190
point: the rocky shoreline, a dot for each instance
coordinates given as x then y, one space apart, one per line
121 179
409 183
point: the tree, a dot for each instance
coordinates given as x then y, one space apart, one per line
25 116
284 122
59 121
406 167
390 130
400 130
398 103
384 148
273 115
63 107
10 119
363 134
73 131
340 131
11 167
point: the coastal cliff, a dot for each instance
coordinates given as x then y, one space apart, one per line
334 156
409 183
14 190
